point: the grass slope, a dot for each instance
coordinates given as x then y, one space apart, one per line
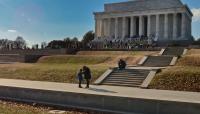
185 76
63 68
48 72
73 59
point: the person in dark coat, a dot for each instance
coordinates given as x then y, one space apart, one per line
87 75
80 77
121 64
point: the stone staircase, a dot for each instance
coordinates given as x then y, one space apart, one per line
127 77
174 51
157 61
141 75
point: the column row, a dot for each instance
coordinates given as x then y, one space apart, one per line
155 25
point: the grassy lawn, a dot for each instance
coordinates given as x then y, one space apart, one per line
48 72
18 108
64 68
185 76
178 78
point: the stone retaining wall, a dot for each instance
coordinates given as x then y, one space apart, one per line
116 104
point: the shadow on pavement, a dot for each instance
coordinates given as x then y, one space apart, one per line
101 90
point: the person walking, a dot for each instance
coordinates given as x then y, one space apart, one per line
80 77
87 75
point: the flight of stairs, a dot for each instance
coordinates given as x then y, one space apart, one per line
158 61
138 76
127 77
174 51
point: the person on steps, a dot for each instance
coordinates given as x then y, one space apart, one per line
87 75
121 64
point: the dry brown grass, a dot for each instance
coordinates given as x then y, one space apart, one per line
19 108
193 52
189 60
185 76
64 68
178 78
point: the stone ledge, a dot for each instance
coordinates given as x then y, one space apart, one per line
143 60
173 62
148 79
113 104
162 51
103 77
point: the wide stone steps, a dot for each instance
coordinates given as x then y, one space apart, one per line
123 84
128 77
174 51
158 61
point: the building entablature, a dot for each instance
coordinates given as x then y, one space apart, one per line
102 15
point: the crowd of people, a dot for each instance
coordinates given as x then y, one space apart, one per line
127 43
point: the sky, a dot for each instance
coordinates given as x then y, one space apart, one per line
45 20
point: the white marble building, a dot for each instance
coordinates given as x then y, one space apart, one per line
166 20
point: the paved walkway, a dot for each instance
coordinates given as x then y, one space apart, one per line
191 97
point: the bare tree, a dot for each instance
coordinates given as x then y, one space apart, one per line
20 43
43 45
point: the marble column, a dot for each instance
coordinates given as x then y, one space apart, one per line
141 25
166 26
101 28
116 28
123 27
149 25
174 26
133 31
158 25
183 25
96 28
109 28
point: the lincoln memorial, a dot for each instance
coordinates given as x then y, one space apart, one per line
161 20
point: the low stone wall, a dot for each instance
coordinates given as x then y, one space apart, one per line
40 52
31 56
19 58
12 58
115 104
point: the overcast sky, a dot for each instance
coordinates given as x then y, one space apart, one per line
45 20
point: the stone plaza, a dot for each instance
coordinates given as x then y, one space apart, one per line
160 20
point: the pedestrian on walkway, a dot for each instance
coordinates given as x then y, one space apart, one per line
87 75
80 77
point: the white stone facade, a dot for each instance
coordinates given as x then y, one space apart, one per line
164 19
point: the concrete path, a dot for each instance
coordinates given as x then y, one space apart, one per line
163 95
